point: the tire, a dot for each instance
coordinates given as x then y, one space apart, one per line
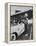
16 35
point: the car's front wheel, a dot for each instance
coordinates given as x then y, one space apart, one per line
14 36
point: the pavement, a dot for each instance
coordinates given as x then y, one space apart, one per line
24 37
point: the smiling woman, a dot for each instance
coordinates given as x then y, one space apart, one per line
19 22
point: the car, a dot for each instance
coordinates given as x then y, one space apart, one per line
17 30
